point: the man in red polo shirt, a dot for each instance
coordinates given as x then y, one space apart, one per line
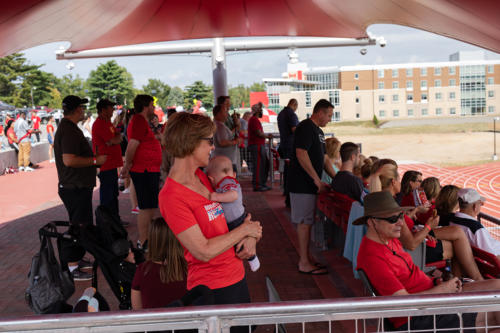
106 141
257 148
35 122
142 163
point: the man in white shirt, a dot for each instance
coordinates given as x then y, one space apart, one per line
470 203
22 130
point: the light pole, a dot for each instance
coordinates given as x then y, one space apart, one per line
32 102
495 119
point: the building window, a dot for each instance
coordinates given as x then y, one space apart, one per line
491 93
381 85
437 83
453 111
452 70
394 73
395 98
452 95
336 116
438 96
409 98
381 98
358 115
490 69
423 84
308 99
423 71
380 73
490 80
409 72
381 113
395 113
424 97
395 85
439 111
356 76
425 112
437 71
410 112
491 109
357 100
334 98
356 87
409 84
453 82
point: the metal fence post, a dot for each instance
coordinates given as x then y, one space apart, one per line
213 324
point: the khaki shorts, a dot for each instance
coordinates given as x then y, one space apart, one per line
303 207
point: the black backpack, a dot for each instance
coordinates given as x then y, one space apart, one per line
50 285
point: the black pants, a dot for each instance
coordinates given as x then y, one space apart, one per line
78 203
234 294
108 192
286 153
260 165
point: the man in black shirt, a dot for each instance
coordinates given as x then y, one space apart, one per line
76 170
287 122
345 181
307 164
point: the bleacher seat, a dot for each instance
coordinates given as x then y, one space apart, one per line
487 262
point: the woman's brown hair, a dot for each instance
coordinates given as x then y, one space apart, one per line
431 187
165 248
447 199
184 132
332 147
409 176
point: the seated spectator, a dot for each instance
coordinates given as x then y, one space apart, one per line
356 170
161 279
431 187
470 203
366 172
377 167
447 204
345 181
332 147
442 243
410 182
392 272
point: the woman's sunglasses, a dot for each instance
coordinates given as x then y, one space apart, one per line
390 219
210 140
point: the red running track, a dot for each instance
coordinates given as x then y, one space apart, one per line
485 178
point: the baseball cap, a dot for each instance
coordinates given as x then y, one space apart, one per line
470 195
71 102
103 103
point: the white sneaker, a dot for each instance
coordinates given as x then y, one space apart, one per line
52 161
21 169
126 190
28 169
254 264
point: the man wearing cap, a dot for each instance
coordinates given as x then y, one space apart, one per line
76 169
106 140
470 203
391 270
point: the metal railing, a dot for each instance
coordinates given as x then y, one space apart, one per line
489 218
221 318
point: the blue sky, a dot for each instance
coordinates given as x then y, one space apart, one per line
403 45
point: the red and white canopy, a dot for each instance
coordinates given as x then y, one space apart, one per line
91 24
269 116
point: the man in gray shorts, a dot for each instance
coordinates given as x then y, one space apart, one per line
307 164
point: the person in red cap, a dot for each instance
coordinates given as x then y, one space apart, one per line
106 140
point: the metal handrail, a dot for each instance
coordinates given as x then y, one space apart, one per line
488 218
221 318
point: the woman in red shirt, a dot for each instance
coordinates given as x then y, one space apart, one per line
50 138
198 222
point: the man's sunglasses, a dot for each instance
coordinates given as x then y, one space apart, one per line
391 219
210 140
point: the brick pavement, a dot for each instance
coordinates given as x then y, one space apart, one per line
277 249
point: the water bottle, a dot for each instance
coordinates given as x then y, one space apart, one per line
121 184
447 274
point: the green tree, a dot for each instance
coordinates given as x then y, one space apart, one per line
239 95
69 85
41 82
258 87
110 81
159 90
13 72
175 97
198 90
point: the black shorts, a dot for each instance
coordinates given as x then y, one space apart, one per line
442 322
147 187
433 254
78 203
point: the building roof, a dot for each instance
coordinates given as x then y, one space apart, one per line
90 24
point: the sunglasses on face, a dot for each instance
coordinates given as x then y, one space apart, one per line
391 219
210 140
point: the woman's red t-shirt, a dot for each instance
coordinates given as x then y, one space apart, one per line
183 208
148 154
50 129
